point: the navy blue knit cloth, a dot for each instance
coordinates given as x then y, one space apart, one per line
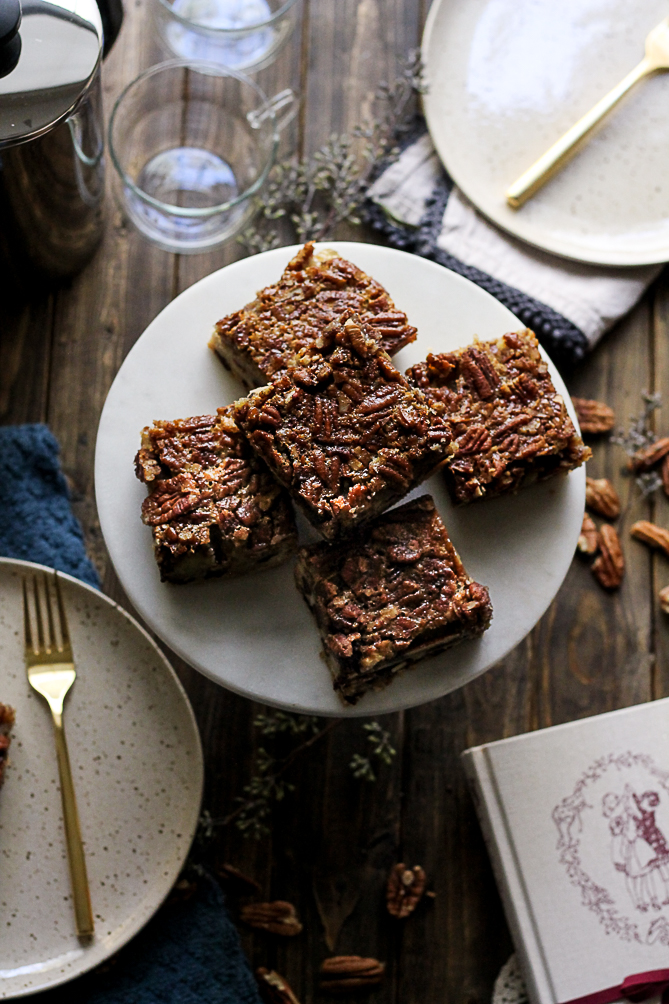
36 521
190 952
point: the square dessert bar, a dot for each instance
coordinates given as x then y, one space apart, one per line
345 432
390 596
508 424
213 507
264 338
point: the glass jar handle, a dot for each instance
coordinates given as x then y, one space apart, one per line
286 99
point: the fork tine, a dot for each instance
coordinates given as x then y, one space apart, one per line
64 633
38 615
49 614
26 619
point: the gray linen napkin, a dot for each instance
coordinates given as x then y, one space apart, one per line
570 305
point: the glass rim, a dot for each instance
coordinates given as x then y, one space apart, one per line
229 32
208 69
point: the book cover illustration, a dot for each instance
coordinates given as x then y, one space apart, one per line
613 841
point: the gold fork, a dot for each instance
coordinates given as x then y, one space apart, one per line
655 60
51 673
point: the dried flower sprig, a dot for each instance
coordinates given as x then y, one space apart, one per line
268 785
316 193
640 434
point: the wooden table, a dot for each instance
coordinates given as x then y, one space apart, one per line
334 840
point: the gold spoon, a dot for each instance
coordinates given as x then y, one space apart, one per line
656 59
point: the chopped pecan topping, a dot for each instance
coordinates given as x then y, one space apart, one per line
588 540
273 988
602 498
343 465
507 422
278 917
404 889
389 597
290 318
594 417
664 599
651 534
214 509
609 567
645 459
343 973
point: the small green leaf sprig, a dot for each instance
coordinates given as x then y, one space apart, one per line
268 785
316 193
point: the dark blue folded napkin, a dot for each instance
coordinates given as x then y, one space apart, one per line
190 952
36 521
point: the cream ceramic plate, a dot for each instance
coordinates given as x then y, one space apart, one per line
255 634
137 766
508 77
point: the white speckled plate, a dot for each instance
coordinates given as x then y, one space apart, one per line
255 634
508 77
137 765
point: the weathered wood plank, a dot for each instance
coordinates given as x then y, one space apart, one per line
26 331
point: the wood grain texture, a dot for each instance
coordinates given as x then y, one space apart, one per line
335 838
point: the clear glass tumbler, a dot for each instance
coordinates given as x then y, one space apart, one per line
191 144
242 34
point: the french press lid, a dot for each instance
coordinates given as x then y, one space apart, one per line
49 53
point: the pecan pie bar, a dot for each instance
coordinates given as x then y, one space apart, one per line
263 338
388 597
213 507
345 432
509 426
6 722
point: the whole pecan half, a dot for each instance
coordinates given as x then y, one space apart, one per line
278 917
588 540
644 460
404 889
601 496
343 973
651 534
273 988
664 599
594 417
609 567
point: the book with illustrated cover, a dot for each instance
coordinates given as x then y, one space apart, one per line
576 819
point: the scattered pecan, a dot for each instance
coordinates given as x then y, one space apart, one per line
278 917
601 496
651 534
237 881
644 460
404 889
273 988
664 599
594 417
664 471
588 541
609 567
342 973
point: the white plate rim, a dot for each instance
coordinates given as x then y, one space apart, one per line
59 979
348 249
527 232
